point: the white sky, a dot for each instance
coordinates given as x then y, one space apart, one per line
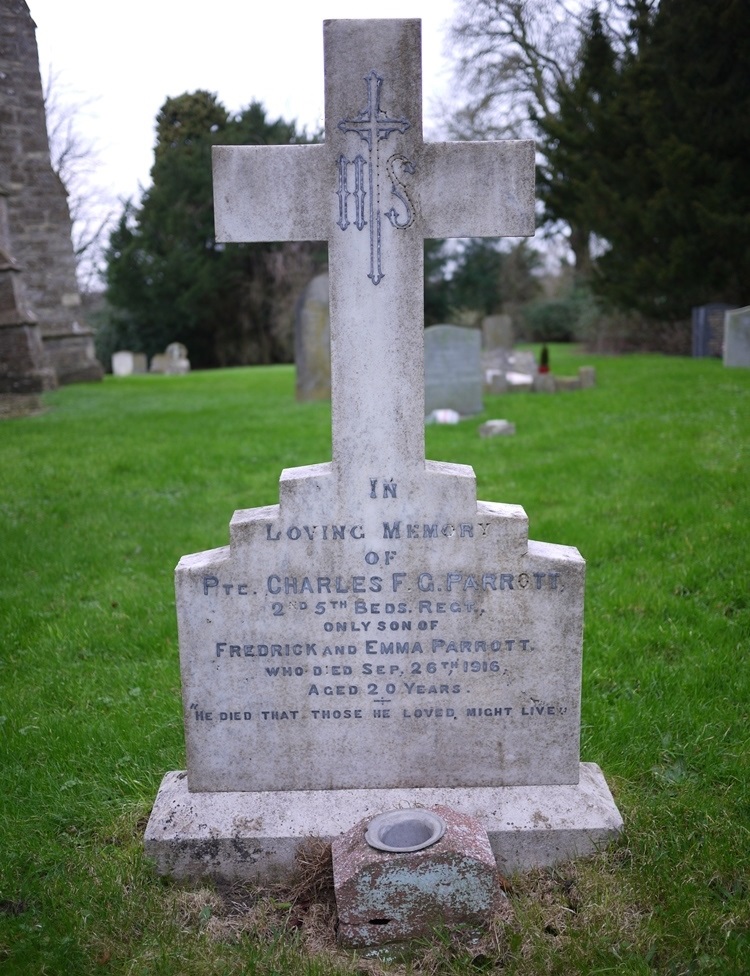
120 60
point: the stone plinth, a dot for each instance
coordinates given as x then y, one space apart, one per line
384 897
255 836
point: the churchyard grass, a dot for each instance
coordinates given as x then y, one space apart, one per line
646 474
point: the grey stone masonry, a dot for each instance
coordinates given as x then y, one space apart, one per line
23 372
37 203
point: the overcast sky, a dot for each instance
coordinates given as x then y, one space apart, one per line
120 60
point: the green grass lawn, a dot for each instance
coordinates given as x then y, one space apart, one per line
647 474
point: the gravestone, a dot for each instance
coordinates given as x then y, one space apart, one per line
737 337
312 342
497 332
708 329
173 361
126 363
379 638
453 369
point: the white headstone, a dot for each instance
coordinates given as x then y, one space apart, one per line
126 363
378 637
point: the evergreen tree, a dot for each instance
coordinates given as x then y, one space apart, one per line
676 211
167 276
576 142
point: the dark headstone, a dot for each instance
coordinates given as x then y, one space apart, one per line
708 329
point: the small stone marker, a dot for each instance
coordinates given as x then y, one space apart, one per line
312 342
382 898
453 369
380 638
497 428
737 337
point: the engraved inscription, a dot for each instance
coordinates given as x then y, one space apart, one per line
373 125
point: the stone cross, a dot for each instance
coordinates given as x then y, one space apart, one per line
374 190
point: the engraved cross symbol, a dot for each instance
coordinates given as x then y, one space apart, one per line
435 189
373 126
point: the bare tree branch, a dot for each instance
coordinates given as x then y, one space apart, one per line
514 55
75 160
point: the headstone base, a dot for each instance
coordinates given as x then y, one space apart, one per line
255 836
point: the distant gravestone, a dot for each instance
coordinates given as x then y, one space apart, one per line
312 342
452 369
126 363
497 332
173 361
708 329
379 638
737 337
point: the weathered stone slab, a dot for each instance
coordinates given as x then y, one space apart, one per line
383 897
126 363
497 332
453 369
708 329
737 337
312 342
435 633
255 836
544 383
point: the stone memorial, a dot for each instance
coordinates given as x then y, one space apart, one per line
312 342
173 361
452 369
708 329
737 337
379 639
497 332
126 363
